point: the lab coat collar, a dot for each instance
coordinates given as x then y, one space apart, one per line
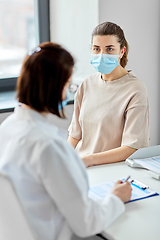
34 116
29 114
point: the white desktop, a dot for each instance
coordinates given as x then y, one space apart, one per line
141 220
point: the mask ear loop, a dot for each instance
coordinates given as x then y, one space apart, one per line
120 55
119 59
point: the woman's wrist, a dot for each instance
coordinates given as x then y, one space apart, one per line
90 160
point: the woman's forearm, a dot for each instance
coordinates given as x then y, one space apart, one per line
110 156
73 141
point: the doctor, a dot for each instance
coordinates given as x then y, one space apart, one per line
49 177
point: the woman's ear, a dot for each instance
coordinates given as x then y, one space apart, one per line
122 52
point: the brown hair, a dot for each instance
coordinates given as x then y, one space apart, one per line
109 28
44 73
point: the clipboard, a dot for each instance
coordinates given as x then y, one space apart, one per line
139 190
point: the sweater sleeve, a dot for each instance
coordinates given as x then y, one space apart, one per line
136 128
65 179
74 129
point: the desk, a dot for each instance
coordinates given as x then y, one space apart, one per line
141 220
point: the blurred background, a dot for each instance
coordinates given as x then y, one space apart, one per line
17 34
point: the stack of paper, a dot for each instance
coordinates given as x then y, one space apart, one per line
152 164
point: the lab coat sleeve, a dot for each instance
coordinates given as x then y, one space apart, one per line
64 177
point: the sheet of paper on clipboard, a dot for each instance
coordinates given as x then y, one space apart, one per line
139 190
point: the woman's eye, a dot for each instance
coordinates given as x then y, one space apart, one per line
110 49
96 49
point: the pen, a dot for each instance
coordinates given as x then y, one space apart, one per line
127 179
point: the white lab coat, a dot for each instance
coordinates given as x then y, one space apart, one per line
51 180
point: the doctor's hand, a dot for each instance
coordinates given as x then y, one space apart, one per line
122 190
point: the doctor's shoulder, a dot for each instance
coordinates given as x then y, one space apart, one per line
58 149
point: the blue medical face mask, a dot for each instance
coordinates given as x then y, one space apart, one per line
104 63
64 102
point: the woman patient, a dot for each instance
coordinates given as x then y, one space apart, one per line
111 112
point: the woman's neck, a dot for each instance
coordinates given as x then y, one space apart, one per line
117 73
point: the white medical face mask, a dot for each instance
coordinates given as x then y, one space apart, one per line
104 63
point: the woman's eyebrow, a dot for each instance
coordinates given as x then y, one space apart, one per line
110 46
95 46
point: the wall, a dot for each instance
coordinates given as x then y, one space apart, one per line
140 20
72 23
